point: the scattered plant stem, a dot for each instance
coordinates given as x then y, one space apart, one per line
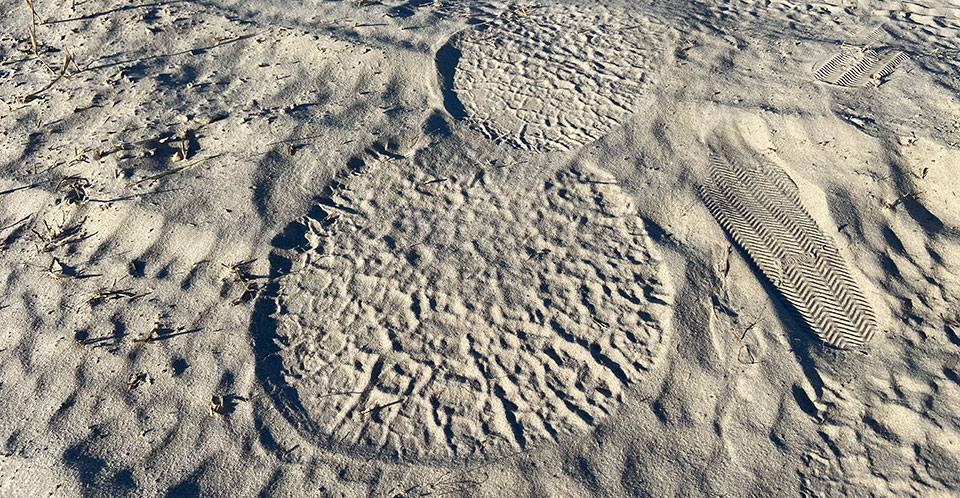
67 59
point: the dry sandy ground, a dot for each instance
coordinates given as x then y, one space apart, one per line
438 248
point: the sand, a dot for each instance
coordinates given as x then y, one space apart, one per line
422 248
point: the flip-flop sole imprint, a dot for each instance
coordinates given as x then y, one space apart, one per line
441 320
555 77
759 205
860 67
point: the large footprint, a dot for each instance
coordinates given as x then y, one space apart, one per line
552 77
439 318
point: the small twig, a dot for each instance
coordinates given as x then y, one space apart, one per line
338 393
744 334
17 189
381 407
25 218
752 358
65 236
284 452
904 198
170 171
103 295
160 332
63 71
36 17
32 31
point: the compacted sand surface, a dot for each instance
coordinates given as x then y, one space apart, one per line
438 248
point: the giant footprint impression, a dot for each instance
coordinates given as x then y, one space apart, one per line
437 319
552 77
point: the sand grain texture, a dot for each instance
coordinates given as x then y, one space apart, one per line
407 248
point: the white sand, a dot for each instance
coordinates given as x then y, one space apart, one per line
457 249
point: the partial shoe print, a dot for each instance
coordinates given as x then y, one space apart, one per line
861 66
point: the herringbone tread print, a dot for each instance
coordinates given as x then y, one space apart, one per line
760 207
857 69
861 65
